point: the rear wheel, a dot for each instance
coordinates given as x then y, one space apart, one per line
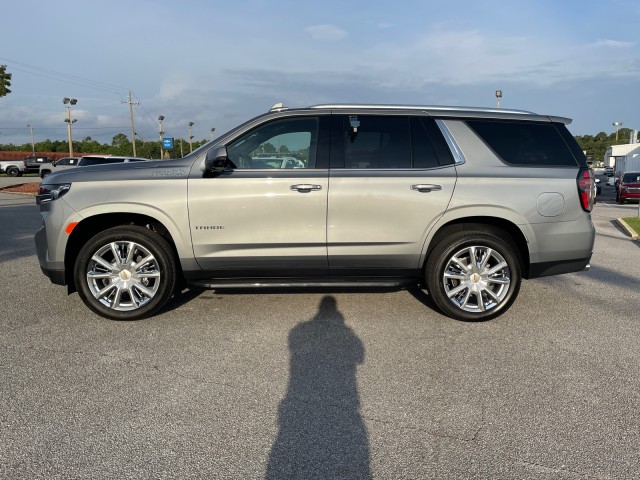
13 172
473 276
126 273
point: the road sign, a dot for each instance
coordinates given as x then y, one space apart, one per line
167 142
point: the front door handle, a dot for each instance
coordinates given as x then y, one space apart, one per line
305 187
426 188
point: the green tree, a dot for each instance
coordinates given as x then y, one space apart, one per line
5 81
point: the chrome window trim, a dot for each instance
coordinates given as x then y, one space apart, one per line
458 156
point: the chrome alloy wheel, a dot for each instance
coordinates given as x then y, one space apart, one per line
123 275
476 279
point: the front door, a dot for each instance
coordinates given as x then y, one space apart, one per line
267 216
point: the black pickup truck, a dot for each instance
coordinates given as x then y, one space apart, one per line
32 164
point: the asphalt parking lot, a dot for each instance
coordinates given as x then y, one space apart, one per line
322 384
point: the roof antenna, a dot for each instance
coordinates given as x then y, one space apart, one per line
278 107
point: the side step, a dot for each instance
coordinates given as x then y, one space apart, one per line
234 283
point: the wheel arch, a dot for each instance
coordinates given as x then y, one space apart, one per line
95 224
505 229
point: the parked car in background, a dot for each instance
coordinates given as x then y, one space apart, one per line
13 168
276 161
33 164
608 171
629 188
61 164
457 200
88 160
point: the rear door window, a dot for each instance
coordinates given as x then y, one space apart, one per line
377 142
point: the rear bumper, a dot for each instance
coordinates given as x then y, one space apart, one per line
629 195
545 269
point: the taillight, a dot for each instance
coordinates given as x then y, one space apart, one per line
585 186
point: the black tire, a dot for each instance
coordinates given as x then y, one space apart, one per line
13 172
44 173
486 291
123 291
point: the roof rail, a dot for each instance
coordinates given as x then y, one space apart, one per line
338 106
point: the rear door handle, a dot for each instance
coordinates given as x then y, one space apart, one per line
426 188
305 187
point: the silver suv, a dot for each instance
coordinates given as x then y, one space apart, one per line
462 201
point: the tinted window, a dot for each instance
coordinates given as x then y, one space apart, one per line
525 143
288 143
631 178
379 142
422 152
571 142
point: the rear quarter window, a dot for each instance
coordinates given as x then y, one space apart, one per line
527 143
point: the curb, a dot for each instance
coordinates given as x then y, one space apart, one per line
628 229
19 193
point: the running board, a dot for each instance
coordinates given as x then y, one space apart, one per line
301 283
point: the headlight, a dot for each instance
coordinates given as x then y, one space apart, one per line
48 193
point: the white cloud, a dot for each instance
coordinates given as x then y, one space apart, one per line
329 33
606 42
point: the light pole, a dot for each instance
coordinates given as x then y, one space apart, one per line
212 130
160 119
190 137
33 144
617 125
498 96
68 102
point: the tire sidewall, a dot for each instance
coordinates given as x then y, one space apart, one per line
434 271
150 240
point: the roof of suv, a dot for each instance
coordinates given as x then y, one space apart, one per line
439 110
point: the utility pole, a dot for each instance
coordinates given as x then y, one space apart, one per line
133 130
160 119
33 143
190 137
69 102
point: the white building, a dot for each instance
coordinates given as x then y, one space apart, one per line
622 157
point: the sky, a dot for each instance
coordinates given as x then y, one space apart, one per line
220 63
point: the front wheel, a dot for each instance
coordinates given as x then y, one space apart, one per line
473 276
126 273
13 172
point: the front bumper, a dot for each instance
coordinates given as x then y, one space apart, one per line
54 270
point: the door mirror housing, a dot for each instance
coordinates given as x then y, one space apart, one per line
216 161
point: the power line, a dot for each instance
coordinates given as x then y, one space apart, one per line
64 77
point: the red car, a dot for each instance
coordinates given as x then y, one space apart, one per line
629 188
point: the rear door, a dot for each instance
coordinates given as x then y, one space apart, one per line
391 179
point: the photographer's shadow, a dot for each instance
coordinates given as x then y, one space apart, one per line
321 433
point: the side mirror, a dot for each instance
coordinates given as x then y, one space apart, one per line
216 161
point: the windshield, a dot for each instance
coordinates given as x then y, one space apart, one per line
631 177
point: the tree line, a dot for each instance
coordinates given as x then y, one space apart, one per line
120 145
595 146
